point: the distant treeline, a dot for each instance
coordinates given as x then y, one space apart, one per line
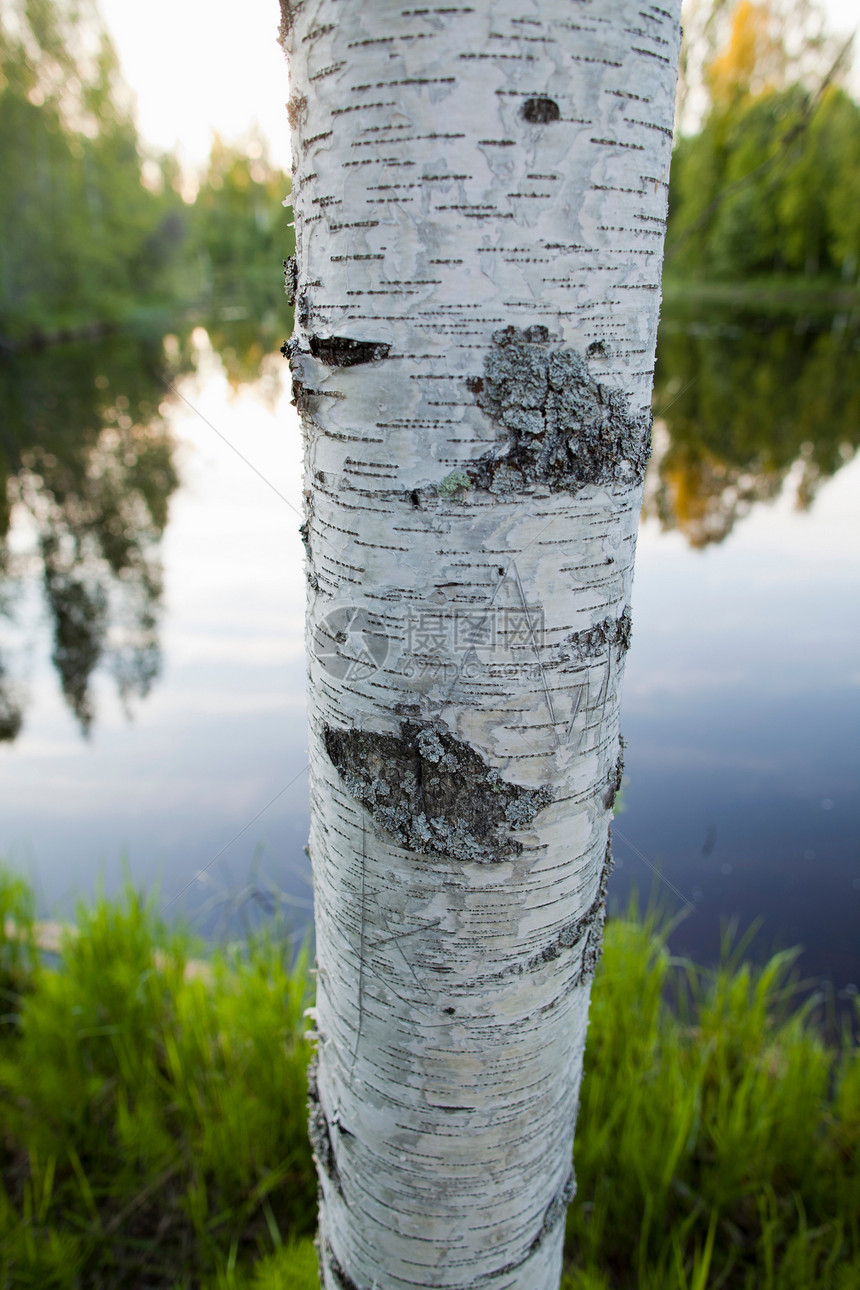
91 232
770 185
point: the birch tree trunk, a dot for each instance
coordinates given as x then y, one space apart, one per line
480 200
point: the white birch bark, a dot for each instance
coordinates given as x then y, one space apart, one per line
480 200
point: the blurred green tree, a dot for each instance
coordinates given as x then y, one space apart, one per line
82 240
240 236
769 183
236 215
734 47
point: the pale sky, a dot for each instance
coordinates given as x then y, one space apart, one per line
196 67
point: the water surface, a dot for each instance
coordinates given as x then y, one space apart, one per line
151 694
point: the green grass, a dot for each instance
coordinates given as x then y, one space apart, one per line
717 1140
152 1125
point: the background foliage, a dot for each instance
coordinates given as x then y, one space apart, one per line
92 230
769 181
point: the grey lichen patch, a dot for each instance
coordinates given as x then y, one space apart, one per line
540 111
594 945
305 526
344 351
593 949
563 428
433 793
570 936
594 641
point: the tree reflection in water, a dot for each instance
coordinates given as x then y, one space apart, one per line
739 403
85 454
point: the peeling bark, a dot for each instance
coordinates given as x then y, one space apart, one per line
584 933
615 778
291 280
333 1274
563 429
319 1130
593 641
479 224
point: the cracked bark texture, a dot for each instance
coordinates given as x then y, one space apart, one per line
480 201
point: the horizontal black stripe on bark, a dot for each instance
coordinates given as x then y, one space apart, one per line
344 351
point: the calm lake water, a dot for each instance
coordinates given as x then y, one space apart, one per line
151 641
